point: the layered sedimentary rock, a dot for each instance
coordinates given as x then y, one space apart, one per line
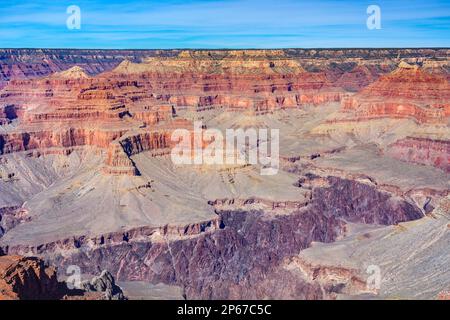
71 108
10 217
260 80
27 278
36 63
407 92
423 151
251 243
32 63
413 100
86 177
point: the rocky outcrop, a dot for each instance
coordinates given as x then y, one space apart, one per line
115 238
118 146
244 254
358 77
118 104
75 72
135 103
332 280
30 278
118 162
64 138
105 284
262 81
425 151
10 217
235 79
29 63
407 92
35 63
360 202
27 278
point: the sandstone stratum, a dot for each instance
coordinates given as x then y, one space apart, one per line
86 176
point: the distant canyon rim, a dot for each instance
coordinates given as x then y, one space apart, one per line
363 180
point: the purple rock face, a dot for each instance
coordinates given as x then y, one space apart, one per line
358 202
233 261
10 217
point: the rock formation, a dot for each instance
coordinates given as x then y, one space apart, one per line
70 108
423 151
29 278
104 283
407 92
206 265
86 176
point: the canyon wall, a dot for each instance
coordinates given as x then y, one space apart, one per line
425 151
27 279
124 103
407 92
245 249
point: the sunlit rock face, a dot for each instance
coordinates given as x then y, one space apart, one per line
431 152
27 278
407 92
86 176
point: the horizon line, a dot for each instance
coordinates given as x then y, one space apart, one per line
229 49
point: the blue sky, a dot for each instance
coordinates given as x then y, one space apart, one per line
223 24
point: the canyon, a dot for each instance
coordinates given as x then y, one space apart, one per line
86 176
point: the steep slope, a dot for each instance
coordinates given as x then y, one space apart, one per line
407 92
27 278
86 177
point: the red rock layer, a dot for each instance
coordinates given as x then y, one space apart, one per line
81 99
24 141
27 278
358 77
238 80
35 63
408 92
422 151
71 109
